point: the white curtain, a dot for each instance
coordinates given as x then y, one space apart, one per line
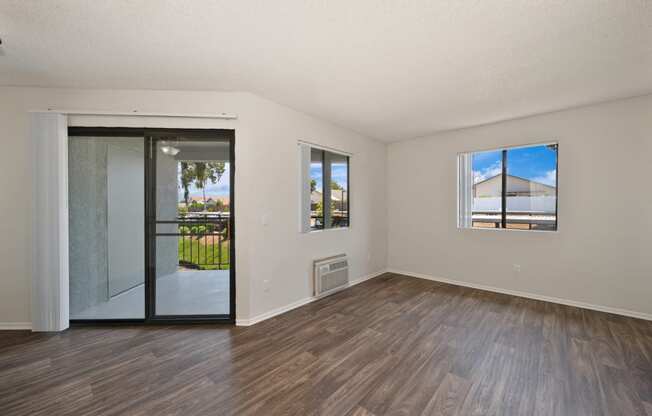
304 188
49 139
464 190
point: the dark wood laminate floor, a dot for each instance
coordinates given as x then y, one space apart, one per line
392 345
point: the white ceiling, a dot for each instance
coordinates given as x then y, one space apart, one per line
389 69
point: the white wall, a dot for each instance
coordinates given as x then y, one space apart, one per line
601 254
124 201
266 185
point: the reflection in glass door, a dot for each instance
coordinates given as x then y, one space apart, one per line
191 249
106 227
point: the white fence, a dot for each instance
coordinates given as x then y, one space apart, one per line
533 204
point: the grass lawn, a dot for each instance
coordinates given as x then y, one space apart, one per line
204 252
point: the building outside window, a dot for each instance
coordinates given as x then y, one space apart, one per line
324 189
509 188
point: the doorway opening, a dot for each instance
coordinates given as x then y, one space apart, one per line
151 225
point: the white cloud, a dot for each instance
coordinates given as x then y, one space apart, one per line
486 173
550 178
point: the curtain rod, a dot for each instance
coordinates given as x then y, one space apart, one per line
136 113
322 147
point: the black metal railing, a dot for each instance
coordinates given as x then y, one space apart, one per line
204 242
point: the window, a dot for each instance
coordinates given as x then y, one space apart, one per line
510 188
324 189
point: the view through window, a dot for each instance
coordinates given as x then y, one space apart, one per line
329 189
512 188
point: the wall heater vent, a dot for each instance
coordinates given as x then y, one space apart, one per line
331 274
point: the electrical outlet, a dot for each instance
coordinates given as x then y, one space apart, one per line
266 286
516 268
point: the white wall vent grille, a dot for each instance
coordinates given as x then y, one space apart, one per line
331 274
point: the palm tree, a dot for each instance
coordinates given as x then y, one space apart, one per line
205 171
187 176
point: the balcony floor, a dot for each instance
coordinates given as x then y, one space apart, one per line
185 292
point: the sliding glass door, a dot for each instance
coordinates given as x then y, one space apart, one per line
151 234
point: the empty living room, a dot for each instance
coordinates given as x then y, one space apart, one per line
334 208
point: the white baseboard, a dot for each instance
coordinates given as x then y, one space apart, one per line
13 326
300 302
551 299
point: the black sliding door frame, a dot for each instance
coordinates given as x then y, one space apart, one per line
150 136
153 136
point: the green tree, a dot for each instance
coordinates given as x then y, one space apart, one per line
319 209
187 177
336 186
207 171
313 185
219 168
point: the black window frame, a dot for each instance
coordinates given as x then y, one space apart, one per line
503 192
324 161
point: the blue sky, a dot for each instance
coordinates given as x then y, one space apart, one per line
338 174
536 163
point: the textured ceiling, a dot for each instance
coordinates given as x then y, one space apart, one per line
389 69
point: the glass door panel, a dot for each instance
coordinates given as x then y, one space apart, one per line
192 227
106 227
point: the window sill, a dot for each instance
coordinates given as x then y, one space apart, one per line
327 230
509 229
